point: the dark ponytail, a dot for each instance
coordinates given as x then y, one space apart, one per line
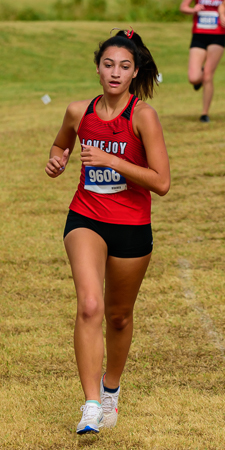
144 83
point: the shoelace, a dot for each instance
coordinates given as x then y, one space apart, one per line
89 411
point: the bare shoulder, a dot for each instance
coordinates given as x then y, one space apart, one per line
79 107
75 112
145 118
142 109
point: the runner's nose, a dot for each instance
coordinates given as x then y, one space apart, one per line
116 72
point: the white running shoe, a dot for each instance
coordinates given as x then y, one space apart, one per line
109 405
92 418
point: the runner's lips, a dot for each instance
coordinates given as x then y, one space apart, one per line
115 83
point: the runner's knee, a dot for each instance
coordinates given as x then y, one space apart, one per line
119 321
90 308
208 75
194 78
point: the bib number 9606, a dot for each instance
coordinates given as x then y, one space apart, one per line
103 180
106 175
207 20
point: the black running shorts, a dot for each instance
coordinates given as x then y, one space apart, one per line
123 241
203 40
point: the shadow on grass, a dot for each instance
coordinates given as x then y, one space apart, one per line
87 440
194 118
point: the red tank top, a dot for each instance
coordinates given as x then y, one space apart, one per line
102 193
208 21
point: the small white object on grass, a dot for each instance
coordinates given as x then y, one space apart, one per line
46 99
160 78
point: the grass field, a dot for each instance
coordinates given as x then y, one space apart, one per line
144 10
42 4
173 384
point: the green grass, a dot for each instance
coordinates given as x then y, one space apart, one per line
172 394
144 10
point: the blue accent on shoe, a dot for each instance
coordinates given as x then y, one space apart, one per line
93 401
111 391
87 429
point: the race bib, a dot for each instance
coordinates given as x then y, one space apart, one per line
207 20
103 180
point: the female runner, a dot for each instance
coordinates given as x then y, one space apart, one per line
207 46
108 232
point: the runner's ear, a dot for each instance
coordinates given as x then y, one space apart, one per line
135 72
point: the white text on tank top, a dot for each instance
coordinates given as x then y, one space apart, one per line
104 180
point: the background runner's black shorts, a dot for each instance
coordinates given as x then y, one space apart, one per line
203 40
123 241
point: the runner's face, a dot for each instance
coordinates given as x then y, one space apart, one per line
116 69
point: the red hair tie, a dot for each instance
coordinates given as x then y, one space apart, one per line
130 33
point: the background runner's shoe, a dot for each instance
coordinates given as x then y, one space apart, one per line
204 118
109 403
92 418
197 86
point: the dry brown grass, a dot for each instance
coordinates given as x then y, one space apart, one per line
173 384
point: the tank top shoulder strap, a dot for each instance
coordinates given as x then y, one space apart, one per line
90 108
127 112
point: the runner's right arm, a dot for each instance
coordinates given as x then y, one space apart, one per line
65 139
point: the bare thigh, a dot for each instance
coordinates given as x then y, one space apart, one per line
87 253
123 280
197 57
213 57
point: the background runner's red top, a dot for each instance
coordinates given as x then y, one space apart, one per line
102 193
208 21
